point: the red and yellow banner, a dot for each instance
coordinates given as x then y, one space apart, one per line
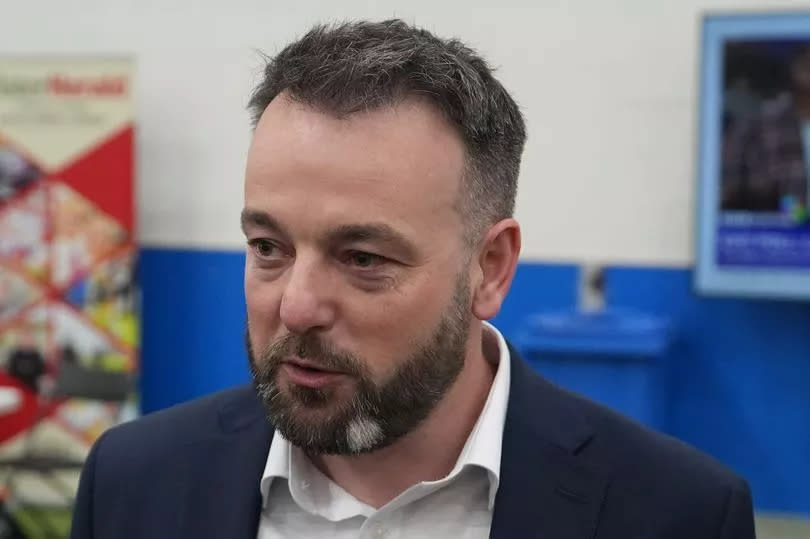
68 295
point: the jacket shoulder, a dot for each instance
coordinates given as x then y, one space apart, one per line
658 480
138 474
626 444
183 424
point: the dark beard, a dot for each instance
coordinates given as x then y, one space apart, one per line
375 416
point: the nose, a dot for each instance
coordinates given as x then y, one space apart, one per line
305 303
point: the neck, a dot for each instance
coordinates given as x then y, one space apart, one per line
429 452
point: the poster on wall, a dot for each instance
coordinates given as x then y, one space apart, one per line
69 325
754 166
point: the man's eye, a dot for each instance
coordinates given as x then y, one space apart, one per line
265 248
365 260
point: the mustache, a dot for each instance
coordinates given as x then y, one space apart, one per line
311 347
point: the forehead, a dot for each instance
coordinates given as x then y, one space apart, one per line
401 164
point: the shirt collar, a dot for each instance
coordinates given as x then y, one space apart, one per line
278 464
482 448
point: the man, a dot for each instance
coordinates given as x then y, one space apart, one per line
766 158
378 199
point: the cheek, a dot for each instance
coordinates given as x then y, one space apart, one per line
262 299
386 330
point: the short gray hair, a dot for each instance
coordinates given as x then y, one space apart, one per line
356 66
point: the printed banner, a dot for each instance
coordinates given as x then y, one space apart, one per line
69 325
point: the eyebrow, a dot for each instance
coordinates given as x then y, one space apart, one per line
260 219
375 233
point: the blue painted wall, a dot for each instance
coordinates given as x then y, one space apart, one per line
193 315
736 384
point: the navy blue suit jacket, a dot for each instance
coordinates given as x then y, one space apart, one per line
570 470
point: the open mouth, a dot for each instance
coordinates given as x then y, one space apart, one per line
309 369
310 366
309 374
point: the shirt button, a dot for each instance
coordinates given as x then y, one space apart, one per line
380 532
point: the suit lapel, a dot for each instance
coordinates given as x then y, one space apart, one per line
545 490
223 498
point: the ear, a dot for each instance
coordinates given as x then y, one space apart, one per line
497 260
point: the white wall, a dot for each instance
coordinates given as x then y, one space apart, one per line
608 88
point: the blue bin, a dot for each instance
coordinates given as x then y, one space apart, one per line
611 356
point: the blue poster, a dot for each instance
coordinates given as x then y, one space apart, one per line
754 166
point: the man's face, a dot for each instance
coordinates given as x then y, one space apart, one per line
356 275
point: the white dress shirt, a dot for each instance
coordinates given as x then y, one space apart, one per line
300 502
